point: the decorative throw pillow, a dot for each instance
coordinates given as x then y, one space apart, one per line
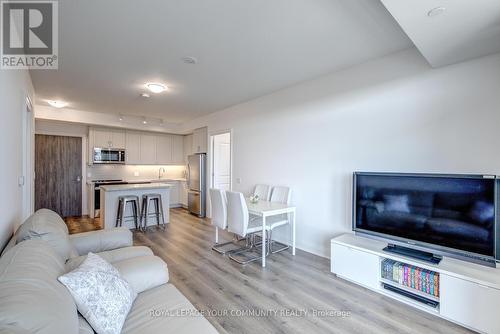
101 295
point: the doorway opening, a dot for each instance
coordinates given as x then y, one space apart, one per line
221 160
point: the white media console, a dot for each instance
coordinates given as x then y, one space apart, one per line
468 294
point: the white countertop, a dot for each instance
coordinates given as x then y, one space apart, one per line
143 186
156 180
145 180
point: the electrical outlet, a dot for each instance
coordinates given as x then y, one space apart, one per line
238 180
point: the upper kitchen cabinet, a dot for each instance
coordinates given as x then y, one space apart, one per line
164 150
118 139
188 147
141 148
107 138
178 150
200 139
148 149
133 148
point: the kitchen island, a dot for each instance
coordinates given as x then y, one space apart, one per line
111 193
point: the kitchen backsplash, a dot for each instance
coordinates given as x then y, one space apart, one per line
112 172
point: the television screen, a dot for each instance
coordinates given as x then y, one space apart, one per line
449 211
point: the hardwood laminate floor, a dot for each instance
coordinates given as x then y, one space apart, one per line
293 294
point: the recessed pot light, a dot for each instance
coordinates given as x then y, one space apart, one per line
156 87
145 95
436 11
144 121
57 104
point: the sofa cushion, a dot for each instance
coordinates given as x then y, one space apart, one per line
49 227
102 296
165 310
102 240
83 326
144 272
31 298
112 256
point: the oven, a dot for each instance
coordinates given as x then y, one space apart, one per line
97 192
108 155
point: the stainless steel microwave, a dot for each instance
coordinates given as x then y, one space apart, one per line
109 155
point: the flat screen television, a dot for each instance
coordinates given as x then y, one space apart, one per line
453 215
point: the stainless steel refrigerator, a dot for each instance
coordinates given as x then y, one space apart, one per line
197 184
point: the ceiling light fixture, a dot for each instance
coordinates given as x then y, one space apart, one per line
190 60
145 95
144 121
120 118
156 87
57 104
436 11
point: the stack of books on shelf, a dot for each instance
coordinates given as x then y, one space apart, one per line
423 280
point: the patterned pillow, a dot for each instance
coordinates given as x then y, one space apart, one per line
101 295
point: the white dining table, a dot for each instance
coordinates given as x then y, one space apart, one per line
266 209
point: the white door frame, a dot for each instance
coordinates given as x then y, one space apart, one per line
27 177
211 161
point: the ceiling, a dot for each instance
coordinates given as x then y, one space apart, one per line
466 29
245 49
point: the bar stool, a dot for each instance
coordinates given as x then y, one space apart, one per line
146 199
122 207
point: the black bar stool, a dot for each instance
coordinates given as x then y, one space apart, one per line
122 206
158 209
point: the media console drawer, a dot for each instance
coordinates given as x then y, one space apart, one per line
471 304
355 265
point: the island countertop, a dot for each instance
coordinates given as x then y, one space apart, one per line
142 186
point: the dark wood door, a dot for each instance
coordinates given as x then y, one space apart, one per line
58 174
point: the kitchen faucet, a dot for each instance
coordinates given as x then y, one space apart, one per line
159 172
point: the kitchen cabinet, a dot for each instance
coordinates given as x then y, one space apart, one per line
148 149
107 138
178 150
200 139
102 138
183 193
118 139
163 149
188 147
174 194
133 148
141 148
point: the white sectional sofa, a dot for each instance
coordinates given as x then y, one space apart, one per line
32 300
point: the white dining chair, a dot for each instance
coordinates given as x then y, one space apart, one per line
219 219
219 216
239 223
263 191
279 194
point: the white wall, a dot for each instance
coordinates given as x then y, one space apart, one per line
15 85
391 114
